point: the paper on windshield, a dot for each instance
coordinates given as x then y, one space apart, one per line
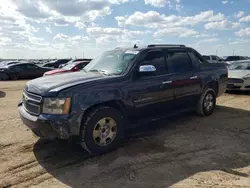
132 52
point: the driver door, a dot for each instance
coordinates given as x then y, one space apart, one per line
33 70
152 92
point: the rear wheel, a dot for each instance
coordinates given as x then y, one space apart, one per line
207 103
102 130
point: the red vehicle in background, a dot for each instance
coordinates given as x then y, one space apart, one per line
73 67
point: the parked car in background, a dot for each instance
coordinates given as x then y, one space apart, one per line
121 87
73 67
213 59
74 60
23 70
239 76
5 63
231 59
56 63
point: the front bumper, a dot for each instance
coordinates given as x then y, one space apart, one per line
245 86
45 126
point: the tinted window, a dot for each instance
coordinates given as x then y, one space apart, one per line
214 58
206 57
31 66
81 65
21 66
200 58
232 58
157 59
181 61
49 65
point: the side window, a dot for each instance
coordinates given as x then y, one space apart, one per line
181 61
80 66
214 58
64 61
157 59
31 66
22 66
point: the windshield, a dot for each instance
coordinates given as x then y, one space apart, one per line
240 66
68 66
111 62
63 65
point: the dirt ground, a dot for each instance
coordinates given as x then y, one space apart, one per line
184 151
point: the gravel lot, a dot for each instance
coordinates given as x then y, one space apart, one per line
187 151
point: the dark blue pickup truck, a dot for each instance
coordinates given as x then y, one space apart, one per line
118 88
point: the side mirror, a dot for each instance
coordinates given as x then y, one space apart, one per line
147 68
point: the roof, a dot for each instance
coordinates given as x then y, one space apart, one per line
19 63
152 46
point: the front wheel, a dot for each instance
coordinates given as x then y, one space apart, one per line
102 130
206 103
4 76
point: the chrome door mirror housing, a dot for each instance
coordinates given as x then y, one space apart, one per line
147 68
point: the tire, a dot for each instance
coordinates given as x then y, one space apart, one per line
92 135
4 76
204 106
14 76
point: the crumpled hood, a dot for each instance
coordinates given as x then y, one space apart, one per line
53 84
238 73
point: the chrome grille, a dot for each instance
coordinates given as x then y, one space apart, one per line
32 103
235 80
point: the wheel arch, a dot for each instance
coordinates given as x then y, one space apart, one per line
116 104
213 84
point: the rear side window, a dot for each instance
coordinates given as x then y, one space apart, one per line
181 61
157 59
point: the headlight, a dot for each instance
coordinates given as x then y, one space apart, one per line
247 77
56 105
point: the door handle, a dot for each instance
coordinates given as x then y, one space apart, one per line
193 77
167 82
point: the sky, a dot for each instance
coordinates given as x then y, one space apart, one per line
77 28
